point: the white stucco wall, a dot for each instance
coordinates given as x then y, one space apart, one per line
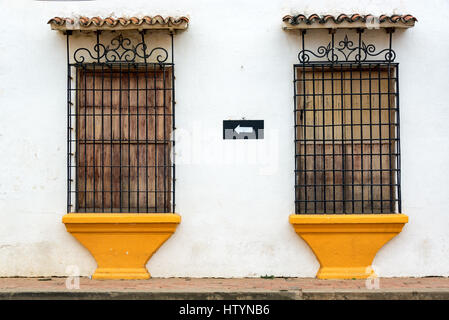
234 196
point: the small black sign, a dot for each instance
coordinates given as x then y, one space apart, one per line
243 129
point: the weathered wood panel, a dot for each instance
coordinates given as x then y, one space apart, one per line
123 133
344 147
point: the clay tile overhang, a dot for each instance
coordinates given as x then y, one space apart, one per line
110 23
345 21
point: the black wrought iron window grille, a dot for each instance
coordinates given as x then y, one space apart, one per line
347 151
121 121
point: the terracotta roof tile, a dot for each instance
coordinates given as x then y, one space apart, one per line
111 23
355 20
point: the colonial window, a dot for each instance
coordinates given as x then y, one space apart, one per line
347 151
121 109
347 138
123 123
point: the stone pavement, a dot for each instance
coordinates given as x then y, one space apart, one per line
230 289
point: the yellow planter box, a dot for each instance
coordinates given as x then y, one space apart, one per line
121 244
345 245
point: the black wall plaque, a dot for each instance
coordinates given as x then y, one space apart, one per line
243 129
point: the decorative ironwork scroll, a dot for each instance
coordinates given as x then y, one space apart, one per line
346 51
120 50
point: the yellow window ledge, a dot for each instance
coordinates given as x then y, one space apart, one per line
345 245
121 244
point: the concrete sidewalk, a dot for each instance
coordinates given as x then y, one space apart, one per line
230 289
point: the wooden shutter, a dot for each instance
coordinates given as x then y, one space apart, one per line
124 122
346 140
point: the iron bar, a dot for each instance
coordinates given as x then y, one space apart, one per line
146 139
102 137
324 143
359 32
295 126
85 136
380 137
111 136
155 136
94 174
371 137
137 138
120 132
69 126
314 140
343 146
398 146
164 137
333 120
129 138
302 117
173 101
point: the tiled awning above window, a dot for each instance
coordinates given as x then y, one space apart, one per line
133 23
344 21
